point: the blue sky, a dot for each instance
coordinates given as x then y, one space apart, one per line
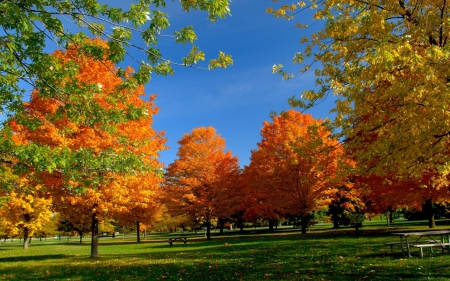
236 100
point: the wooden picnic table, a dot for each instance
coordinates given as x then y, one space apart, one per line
173 239
417 236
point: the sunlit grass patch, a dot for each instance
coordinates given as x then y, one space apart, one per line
332 255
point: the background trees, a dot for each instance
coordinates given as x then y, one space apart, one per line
200 179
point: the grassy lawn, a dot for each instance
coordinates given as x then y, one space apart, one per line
322 254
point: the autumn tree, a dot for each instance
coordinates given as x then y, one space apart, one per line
170 221
240 198
73 216
25 211
293 170
127 146
345 204
143 205
385 60
199 180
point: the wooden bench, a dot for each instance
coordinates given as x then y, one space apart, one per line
431 245
171 240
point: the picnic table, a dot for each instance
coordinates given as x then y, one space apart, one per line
173 239
416 239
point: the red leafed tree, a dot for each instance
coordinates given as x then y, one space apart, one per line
199 180
294 169
386 194
107 151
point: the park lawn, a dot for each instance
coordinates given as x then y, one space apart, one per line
318 255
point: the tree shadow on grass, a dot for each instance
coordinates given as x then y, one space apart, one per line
33 258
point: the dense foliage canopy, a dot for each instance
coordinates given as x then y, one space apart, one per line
385 62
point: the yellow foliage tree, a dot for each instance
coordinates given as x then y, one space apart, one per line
25 212
386 64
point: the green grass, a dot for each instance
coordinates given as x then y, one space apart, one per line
322 254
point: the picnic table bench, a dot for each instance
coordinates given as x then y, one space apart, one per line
418 243
399 243
171 240
431 245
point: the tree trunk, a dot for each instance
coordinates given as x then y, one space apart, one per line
208 226
335 219
387 218
432 221
81 236
25 237
335 224
26 232
271 223
241 224
221 225
94 240
429 211
208 230
304 222
138 232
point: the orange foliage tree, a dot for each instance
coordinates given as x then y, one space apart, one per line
200 179
347 205
108 155
293 172
143 206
